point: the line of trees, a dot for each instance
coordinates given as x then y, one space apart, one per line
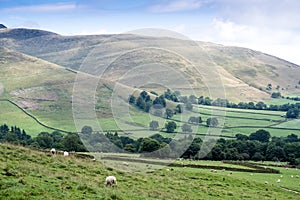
144 102
258 146
44 140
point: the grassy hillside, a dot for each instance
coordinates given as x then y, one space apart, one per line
30 174
38 87
244 73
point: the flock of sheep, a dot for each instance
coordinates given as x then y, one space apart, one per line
112 180
109 181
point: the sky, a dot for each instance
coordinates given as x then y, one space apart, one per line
269 26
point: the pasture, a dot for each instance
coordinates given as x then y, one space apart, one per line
31 174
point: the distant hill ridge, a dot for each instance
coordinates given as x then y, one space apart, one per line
2 26
245 73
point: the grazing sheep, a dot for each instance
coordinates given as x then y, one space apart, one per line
266 182
292 176
278 181
223 170
251 174
111 181
94 159
126 163
297 176
281 176
66 153
53 151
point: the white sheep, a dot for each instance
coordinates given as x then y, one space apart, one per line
281 176
278 181
111 181
297 176
66 153
126 163
53 151
292 176
251 174
266 182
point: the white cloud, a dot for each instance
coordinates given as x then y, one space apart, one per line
283 43
230 31
57 7
177 5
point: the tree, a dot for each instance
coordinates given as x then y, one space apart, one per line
86 130
193 99
186 128
131 99
292 113
72 142
149 145
189 106
169 113
44 140
195 120
276 95
258 157
241 137
269 87
260 135
160 101
292 138
212 122
179 108
261 106
129 148
153 125
170 126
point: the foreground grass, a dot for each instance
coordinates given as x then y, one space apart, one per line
29 174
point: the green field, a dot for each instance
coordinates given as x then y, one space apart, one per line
29 174
13 116
134 123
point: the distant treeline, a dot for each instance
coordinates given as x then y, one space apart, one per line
144 102
44 140
258 146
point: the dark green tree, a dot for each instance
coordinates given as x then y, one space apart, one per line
87 130
153 125
212 122
170 127
149 145
189 106
292 113
186 128
131 99
260 135
169 113
72 142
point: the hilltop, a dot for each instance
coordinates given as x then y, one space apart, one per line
2 26
245 73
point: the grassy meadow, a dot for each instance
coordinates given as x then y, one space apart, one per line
31 174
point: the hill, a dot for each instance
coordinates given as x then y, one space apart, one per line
36 86
31 174
244 73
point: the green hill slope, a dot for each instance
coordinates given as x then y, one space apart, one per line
244 73
30 174
39 87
